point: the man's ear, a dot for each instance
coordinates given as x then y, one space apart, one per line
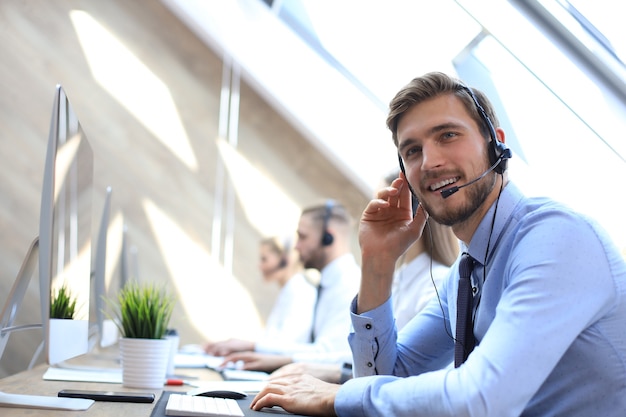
500 135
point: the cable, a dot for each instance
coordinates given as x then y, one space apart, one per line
493 222
432 279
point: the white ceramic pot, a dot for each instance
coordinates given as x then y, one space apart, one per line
144 362
67 338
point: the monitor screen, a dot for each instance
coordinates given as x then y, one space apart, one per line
103 331
65 231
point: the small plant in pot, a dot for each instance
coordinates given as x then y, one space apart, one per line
143 311
67 322
142 315
62 304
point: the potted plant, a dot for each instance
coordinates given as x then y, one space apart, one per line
63 304
142 314
65 324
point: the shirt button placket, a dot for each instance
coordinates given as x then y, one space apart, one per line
368 326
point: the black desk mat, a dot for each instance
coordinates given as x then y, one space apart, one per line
159 408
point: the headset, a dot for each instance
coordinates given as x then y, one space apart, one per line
499 153
327 237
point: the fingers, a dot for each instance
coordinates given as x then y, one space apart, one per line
385 197
291 369
266 400
393 192
270 395
405 192
247 361
234 360
217 349
395 197
209 347
304 395
419 221
390 191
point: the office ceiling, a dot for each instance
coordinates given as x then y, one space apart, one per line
553 68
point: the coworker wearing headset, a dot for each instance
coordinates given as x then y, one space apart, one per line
291 318
324 233
549 307
420 272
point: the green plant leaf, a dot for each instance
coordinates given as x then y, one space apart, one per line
142 311
62 304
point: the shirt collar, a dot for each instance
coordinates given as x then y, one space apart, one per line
335 267
484 235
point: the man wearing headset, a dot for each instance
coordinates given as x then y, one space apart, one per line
324 237
547 302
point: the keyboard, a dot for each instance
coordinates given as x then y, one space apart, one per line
192 405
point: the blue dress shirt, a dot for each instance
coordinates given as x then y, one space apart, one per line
550 323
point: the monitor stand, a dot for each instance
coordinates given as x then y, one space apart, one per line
7 317
44 402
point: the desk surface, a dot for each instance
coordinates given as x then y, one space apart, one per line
32 382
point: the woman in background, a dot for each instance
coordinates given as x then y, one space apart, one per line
291 318
422 268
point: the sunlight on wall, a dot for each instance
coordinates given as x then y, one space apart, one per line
267 207
133 85
206 289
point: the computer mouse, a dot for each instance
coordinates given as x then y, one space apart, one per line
235 395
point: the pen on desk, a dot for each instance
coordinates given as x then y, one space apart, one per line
172 381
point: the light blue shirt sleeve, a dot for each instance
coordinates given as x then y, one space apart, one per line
550 322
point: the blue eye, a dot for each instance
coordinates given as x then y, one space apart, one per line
413 150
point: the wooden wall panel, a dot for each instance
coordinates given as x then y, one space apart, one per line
39 47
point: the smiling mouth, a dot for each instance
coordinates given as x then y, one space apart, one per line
441 184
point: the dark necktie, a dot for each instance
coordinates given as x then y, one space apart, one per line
464 341
317 301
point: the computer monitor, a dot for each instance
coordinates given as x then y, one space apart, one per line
103 332
129 260
65 231
16 296
63 249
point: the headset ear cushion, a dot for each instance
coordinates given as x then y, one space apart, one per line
327 239
499 150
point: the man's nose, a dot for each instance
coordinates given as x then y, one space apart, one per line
432 156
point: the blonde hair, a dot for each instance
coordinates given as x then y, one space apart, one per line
441 243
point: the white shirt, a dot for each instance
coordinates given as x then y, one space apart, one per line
340 281
291 318
413 286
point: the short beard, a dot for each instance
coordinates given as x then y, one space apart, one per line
317 260
476 196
